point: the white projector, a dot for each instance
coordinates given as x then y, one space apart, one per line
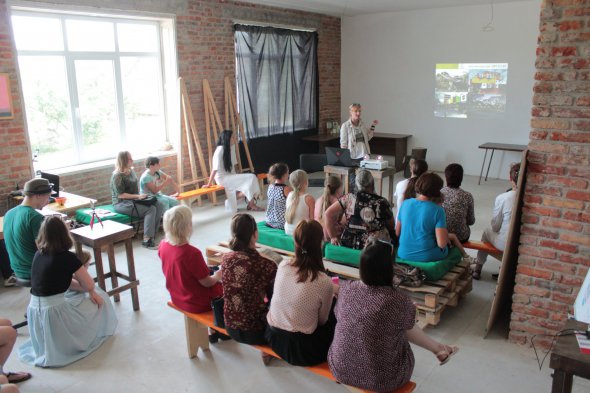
374 164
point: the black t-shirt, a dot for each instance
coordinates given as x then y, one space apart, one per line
52 274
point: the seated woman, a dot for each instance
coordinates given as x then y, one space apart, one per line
153 180
498 231
404 189
368 216
332 191
187 275
224 172
248 278
301 325
127 199
385 319
68 317
422 224
278 191
458 203
299 204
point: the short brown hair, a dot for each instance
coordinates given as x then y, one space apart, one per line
514 172
429 185
308 238
278 170
54 236
243 227
376 267
454 175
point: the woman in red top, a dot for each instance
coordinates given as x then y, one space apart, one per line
187 275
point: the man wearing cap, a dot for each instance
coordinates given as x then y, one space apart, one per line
21 226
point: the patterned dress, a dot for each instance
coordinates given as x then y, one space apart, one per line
375 211
458 205
371 329
276 206
247 279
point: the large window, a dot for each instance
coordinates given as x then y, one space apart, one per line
277 79
93 85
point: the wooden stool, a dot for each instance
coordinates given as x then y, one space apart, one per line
107 235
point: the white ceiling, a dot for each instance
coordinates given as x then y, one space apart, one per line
342 8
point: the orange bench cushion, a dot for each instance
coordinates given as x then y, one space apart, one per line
206 318
481 246
199 192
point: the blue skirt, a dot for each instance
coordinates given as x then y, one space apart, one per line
66 327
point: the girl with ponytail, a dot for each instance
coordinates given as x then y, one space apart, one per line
300 205
332 191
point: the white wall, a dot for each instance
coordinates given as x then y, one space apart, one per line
388 65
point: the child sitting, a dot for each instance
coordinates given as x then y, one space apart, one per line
277 195
332 191
300 205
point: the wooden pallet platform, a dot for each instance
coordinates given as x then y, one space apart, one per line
431 298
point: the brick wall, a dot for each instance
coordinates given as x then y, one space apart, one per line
205 50
555 238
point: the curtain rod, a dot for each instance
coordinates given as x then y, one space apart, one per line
276 25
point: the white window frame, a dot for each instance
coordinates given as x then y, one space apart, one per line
166 54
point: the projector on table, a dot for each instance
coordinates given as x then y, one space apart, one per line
374 164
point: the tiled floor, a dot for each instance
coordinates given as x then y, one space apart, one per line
148 353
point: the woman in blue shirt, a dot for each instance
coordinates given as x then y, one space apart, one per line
422 224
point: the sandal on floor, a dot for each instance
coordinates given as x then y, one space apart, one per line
475 271
255 208
454 350
17 377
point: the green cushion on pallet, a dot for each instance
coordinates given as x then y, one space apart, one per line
83 215
343 255
276 238
435 270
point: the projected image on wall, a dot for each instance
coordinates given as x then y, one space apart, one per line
465 90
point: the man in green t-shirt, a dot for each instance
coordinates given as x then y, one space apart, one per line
21 226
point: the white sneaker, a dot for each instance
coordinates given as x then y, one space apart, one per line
10 281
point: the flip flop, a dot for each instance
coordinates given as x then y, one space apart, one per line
17 377
454 350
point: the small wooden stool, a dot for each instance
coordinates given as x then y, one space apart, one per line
107 235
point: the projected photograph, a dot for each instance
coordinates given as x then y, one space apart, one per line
465 90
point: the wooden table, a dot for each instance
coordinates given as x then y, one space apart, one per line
493 147
345 171
390 144
106 236
567 360
73 203
323 140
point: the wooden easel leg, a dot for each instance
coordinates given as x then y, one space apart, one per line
197 336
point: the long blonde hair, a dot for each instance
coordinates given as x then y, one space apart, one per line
121 165
298 180
333 183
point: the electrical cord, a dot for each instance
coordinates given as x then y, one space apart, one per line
561 333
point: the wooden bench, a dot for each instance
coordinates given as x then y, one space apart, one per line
197 336
485 247
188 197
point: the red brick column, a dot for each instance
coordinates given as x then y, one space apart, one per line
555 238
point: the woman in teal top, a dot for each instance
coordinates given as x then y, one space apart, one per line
153 180
422 225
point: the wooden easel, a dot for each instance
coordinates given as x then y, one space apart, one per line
190 139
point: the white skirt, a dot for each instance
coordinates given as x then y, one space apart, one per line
246 183
66 327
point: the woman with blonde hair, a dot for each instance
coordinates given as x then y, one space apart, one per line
128 200
301 324
300 205
332 191
355 135
69 317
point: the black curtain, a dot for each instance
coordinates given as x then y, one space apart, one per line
277 79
